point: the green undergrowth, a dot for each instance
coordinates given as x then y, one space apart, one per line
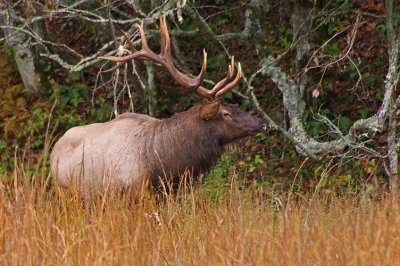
30 120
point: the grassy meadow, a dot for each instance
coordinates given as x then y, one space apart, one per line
41 224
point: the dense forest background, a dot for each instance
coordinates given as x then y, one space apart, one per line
323 74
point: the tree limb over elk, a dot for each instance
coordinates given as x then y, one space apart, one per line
135 148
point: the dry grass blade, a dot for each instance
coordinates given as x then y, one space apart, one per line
49 226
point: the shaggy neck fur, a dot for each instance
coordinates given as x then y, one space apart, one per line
184 142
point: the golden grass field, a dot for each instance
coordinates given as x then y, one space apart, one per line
41 224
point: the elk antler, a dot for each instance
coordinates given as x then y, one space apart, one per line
165 59
223 85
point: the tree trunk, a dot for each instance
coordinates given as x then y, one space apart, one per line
302 26
150 88
392 79
392 149
24 57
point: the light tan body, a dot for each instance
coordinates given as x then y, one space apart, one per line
94 157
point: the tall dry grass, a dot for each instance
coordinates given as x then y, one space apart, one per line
41 224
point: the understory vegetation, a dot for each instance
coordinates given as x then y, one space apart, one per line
343 68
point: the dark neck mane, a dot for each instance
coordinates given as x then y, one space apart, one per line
185 142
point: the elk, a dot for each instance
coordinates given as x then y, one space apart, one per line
135 148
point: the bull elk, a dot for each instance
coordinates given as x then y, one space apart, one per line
134 148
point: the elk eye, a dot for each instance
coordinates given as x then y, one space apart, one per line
226 114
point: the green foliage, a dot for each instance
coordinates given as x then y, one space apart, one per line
344 124
218 181
25 118
370 80
36 125
8 53
351 70
364 113
382 28
333 49
74 94
314 127
346 4
286 36
349 178
251 163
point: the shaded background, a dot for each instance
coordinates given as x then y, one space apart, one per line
336 53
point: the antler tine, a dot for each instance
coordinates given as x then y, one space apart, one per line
143 39
163 58
166 60
119 64
229 75
145 52
131 47
232 84
220 85
231 68
165 40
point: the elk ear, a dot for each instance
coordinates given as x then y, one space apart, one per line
209 109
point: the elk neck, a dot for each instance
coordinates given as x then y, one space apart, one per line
184 141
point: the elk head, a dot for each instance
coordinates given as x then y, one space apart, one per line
211 109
